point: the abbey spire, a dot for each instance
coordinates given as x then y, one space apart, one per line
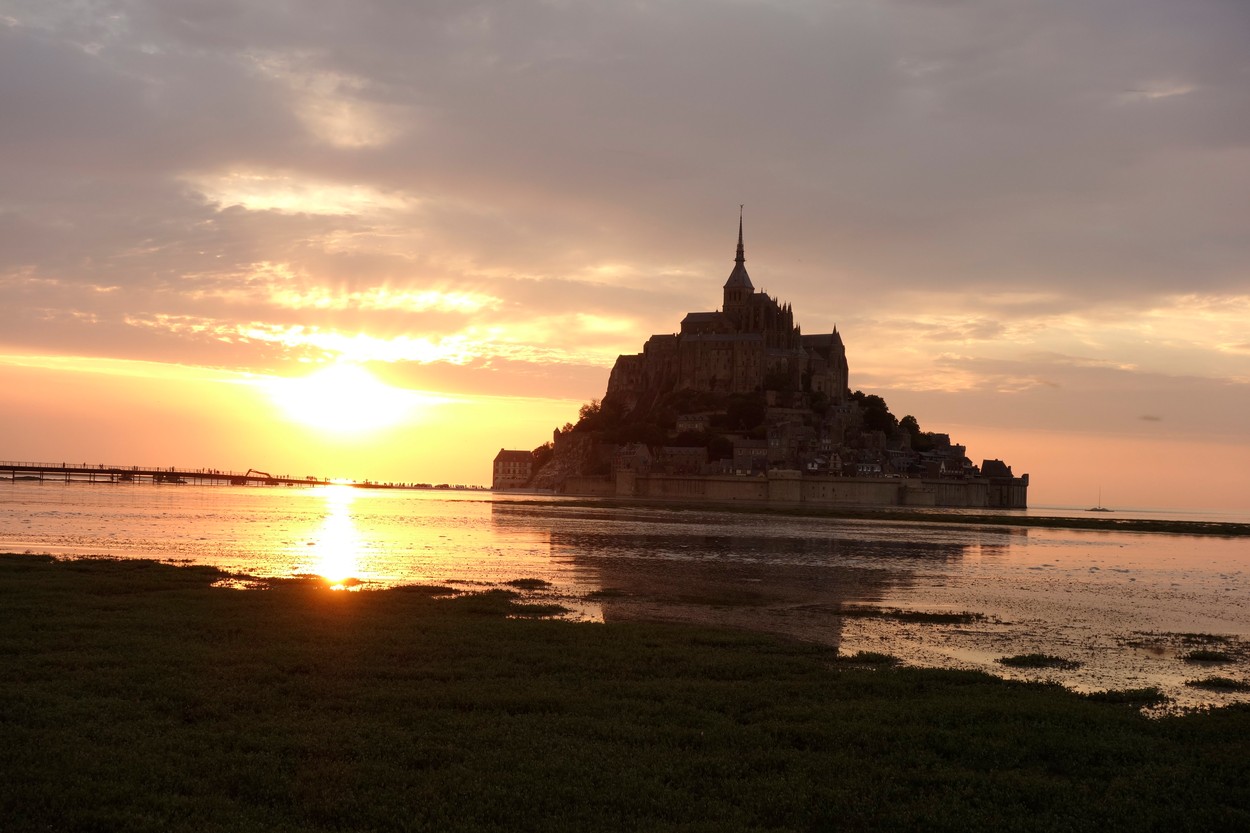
739 287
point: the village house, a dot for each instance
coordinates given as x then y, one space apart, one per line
513 469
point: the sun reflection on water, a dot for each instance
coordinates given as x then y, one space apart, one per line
338 543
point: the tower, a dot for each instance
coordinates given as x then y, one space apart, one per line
738 288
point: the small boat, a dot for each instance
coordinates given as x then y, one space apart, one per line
1099 507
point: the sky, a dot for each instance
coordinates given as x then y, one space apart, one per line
385 238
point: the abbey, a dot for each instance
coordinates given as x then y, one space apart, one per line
740 405
751 344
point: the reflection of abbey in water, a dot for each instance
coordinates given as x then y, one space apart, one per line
740 405
791 576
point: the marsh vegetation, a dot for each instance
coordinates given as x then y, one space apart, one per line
139 697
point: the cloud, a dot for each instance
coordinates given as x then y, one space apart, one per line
970 191
1072 393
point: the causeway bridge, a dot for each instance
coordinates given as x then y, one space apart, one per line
173 475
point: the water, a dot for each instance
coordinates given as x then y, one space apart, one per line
1126 606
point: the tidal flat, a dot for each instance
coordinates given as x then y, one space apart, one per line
1122 610
144 696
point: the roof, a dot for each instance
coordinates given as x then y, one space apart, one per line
510 456
702 317
995 468
823 340
724 337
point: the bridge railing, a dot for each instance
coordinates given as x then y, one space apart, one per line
106 467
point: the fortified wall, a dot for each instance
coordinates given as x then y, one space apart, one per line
792 487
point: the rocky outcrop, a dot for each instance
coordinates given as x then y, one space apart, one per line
576 453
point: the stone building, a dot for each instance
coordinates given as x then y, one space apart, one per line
512 470
750 344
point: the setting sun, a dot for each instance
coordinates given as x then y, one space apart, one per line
343 399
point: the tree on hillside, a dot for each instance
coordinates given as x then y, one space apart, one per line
720 448
598 415
542 455
920 440
877 416
745 411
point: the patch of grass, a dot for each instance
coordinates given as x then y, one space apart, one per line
137 697
485 603
1207 655
963 618
528 583
938 618
500 604
1137 697
1038 661
1204 638
537 610
431 590
869 658
1219 684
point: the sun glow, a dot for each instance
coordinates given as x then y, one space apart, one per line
343 399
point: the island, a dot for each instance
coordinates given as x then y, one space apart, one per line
741 405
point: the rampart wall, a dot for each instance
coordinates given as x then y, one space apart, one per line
792 487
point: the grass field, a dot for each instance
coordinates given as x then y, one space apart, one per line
136 697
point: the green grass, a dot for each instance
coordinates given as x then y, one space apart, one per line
1136 697
918 616
1039 661
1219 684
1206 655
870 658
528 584
1205 638
137 698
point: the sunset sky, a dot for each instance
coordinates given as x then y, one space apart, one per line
374 238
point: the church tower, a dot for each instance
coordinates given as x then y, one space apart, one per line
738 289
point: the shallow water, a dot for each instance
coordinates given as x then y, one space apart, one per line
1126 606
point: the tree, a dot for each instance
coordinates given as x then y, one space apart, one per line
542 455
690 439
590 410
877 416
745 411
920 440
720 448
